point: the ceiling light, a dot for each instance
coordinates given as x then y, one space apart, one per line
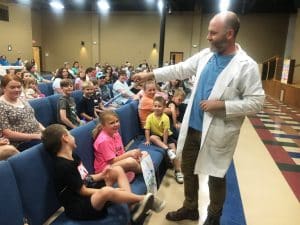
160 5
79 2
150 1
103 5
224 5
26 2
57 5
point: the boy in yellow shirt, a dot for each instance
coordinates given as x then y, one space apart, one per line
157 131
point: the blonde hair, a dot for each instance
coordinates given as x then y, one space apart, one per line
149 82
103 118
87 84
160 99
179 92
28 82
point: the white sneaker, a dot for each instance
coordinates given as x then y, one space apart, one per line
179 177
143 207
158 205
171 154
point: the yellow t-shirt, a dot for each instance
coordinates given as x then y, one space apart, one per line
157 125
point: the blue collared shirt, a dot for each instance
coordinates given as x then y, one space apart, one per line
209 75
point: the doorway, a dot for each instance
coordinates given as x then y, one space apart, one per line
37 56
176 57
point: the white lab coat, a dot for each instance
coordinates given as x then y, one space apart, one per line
239 85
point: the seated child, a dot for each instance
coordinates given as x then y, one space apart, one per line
66 106
109 149
157 131
89 104
31 89
146 102
6 150
72 181
98 96
172 110
80 79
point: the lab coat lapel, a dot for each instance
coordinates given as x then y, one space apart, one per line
222 82
224 79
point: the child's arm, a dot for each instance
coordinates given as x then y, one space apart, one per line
78 120
165 137
86 116
135 153
147 135
64 118
174 114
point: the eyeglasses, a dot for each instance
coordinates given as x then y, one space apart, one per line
101 78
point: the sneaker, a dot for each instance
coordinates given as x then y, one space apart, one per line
212 220
183 214
143 207
171 154
158 205
179 177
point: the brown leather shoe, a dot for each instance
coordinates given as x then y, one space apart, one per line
183 214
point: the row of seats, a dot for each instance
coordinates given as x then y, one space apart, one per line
27 189
45 109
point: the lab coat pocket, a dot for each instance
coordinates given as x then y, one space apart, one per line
222 138
230 93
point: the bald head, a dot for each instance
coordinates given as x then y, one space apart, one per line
230 21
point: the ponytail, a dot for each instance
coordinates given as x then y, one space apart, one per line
97 130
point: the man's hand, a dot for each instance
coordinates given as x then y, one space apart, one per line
142 77
212 105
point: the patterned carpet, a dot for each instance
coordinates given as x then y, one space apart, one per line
279 128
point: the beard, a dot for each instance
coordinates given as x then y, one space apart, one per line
219 46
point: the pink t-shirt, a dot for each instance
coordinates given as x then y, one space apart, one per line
107 148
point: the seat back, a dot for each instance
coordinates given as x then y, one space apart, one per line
129 121
33 170
46 88
43 111
84 142
11 211
53 99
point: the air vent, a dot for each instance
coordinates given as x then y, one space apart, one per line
4 13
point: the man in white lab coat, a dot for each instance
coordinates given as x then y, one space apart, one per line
227 88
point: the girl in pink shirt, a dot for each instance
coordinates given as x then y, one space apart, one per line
109 149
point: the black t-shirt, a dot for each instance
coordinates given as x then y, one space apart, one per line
68 181
87 105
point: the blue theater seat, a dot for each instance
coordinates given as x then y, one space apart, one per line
33 170
46 88
11 205
43 111
84 141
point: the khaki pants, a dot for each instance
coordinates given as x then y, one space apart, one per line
217 186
